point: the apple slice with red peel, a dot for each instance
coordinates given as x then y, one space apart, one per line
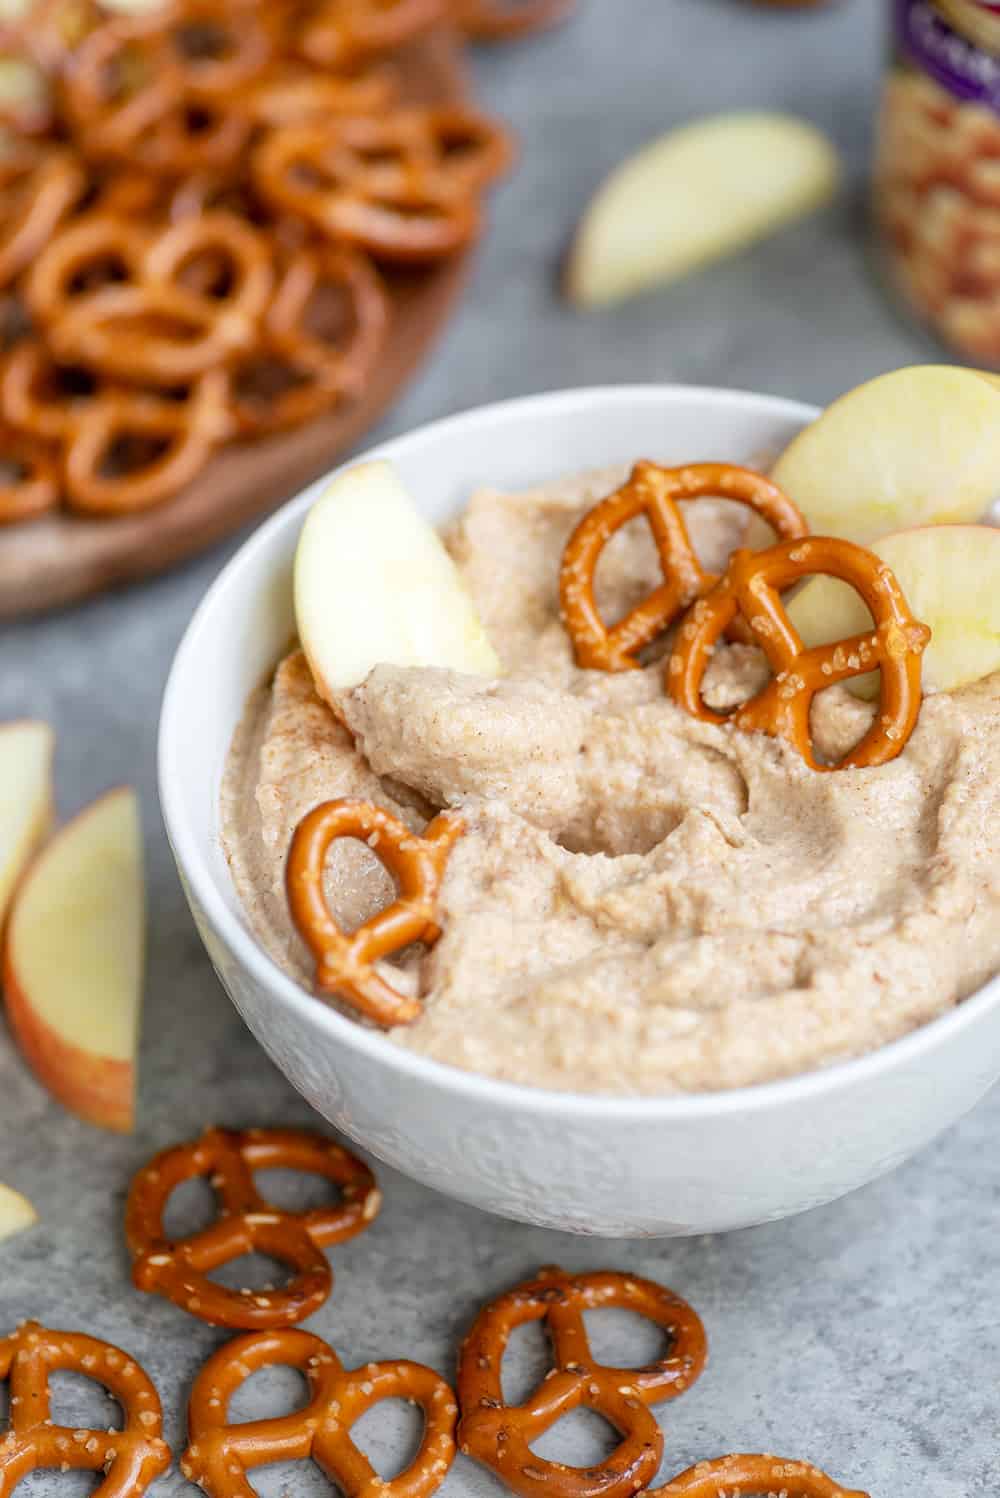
696 195
920 446
16 1213
374 585
25 799
73 961
951 577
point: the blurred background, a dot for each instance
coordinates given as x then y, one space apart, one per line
802 314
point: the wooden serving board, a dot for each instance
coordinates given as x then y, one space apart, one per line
63 558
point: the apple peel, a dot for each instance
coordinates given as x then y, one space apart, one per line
73 961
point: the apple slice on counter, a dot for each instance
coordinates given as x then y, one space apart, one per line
374 585
920 446
25 799
73 961
951 577
695 195
16 1213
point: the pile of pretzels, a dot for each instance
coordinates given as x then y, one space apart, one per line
197 204
473 1417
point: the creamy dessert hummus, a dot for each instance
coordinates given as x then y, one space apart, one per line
642 902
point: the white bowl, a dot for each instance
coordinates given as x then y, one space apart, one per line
611 1166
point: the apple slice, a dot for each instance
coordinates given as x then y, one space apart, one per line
16 1213
73 961
374 585
25 798
951 577
920 446
693 196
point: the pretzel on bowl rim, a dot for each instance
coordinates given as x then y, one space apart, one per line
751 589
501 1436
345 964
220 1455
179 1270
761 1476
505 20
130 1458
654 491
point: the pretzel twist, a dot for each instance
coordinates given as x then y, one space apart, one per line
501 1436
753 1477
404 187
508 20
130 1458
29 478
654 491
37 189
344 33
751 589
220 1455
346 963
179 1270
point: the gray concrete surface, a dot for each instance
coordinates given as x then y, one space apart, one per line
864 1336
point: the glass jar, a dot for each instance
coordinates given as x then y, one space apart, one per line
937 174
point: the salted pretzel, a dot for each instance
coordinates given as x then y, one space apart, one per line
501 1436
506 20
129 451
345 964
404 187
29 478
286 96
753 1477
179 1270
120 80
751 589
220 1455
38 187
130 1458
654 491
343 33
293 326
36 398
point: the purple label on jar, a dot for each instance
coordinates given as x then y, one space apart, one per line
965 70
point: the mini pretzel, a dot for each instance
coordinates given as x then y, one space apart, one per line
159 444
344 363
119 81
404 187
220 1455
38 189
29 480
751 589
247 1223
505 20
342 33
753 1477
289 98
346 963
654 492
130 1458
501 1436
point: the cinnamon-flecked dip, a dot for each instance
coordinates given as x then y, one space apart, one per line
641 902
